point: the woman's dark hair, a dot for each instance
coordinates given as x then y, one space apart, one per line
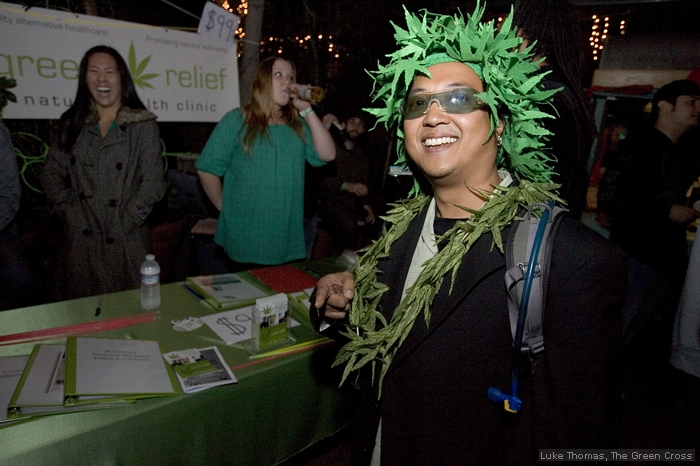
76 117
554 28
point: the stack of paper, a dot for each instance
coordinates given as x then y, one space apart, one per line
40 390
11 369
115 370
228 290
86 374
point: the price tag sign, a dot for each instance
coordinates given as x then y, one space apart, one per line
217 24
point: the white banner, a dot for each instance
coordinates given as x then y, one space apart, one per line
179 76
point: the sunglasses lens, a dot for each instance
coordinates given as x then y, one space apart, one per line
455 101
416 106
461 101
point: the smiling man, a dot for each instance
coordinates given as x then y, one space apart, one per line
424 314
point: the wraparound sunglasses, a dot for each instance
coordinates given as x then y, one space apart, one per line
458 101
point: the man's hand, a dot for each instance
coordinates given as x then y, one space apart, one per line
358 189
334 293
329 119
370 218
682 214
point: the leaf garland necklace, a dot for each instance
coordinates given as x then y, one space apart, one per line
370 344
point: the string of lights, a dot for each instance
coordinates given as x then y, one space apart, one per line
600 31
600 27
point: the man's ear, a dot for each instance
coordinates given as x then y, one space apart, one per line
665 106
500 127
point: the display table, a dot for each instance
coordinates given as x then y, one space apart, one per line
278 407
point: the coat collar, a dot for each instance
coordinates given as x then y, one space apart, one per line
483 259
125 116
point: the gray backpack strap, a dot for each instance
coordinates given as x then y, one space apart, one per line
518 251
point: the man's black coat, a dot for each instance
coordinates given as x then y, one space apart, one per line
434 406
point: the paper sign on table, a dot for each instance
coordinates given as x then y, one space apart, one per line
233 326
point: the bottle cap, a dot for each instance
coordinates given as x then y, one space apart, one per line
150 257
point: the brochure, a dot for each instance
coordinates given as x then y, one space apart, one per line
115 369
40 390
270 322
228 290
200 369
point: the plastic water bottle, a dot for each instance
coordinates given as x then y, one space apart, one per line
150 283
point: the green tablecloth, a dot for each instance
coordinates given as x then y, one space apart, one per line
277 408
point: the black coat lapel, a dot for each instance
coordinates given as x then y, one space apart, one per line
480 262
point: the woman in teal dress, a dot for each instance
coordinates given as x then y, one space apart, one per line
252 169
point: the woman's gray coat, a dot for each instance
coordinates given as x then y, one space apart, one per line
103 190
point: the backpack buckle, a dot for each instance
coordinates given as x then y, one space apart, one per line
524 267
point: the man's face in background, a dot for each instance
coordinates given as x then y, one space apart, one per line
354 128
686 112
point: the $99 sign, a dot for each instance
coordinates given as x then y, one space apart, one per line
217 24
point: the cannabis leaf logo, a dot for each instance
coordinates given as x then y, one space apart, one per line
137 69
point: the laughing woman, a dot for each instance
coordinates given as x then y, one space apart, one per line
260 151
102 176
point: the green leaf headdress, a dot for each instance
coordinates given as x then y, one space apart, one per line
511 81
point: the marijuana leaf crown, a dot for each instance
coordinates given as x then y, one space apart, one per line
510 77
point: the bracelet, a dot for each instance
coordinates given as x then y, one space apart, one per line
306 112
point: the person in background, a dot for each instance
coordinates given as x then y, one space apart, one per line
424 315
685 356
102 176
10 189
646 187
648 211
552 30
260 151
17 276
345 204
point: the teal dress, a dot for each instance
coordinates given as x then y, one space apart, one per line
262 213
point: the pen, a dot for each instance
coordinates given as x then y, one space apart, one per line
99 307
193 292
